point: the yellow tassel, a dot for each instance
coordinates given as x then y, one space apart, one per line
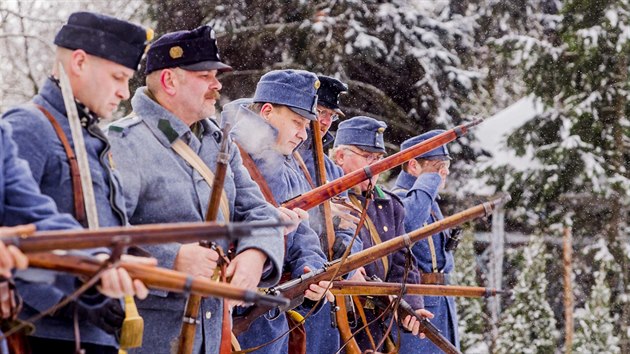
132 328
295 316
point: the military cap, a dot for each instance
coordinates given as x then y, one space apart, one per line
363 132
439 153
329 91
296 89
105 37
194 50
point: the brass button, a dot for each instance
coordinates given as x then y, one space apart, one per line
380 206
385 228
208 315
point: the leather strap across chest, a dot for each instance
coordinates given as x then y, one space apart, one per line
75 175
183 150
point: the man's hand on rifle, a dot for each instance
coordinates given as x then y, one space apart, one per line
245 270
359 275
317 291
11 257
412 324
196 260
294 216
117 283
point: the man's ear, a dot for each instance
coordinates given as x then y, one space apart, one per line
266 110
414 167
77 63
339 156
168 81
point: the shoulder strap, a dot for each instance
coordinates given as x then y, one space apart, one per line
257 176
183 150
77 190
304 169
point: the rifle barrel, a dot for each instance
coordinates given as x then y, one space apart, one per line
299 285
385 289
318 195
155 277
136 235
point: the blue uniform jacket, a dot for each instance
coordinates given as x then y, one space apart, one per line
161 187
285 181
419 197
387 213
321 336
39 145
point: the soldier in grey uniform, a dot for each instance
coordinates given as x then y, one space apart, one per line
99 53
176 108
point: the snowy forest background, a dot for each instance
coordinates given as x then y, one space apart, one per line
553 75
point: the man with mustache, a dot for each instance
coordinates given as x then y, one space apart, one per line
268 129
175 111
100 54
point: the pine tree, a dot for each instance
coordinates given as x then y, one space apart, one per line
472 319
528 324
594 332
580 145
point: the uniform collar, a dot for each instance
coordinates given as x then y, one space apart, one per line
164 124
51 92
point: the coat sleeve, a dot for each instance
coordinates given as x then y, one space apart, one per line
250 205
419 199
32 132
131 178
23 202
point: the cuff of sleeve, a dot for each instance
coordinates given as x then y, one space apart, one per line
428 183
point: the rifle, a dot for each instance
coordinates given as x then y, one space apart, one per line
430 331
155 277
294 289
318 195
340 318
193 303
29 241
384 289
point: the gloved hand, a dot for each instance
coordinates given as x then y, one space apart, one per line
109 316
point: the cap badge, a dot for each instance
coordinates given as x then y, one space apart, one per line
380 130
317 84
176 52
150 34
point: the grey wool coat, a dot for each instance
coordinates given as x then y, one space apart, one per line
159 186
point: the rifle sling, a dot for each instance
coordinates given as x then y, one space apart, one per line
183 150
304 169
75 174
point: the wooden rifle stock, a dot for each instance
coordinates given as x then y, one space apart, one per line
295 288
155 278
384 289
128 236
193 303
318 195
341 313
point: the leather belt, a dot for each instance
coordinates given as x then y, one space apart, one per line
435 278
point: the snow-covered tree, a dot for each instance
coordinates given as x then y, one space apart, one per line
594 332
472 318
528 324
402 59
579 70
